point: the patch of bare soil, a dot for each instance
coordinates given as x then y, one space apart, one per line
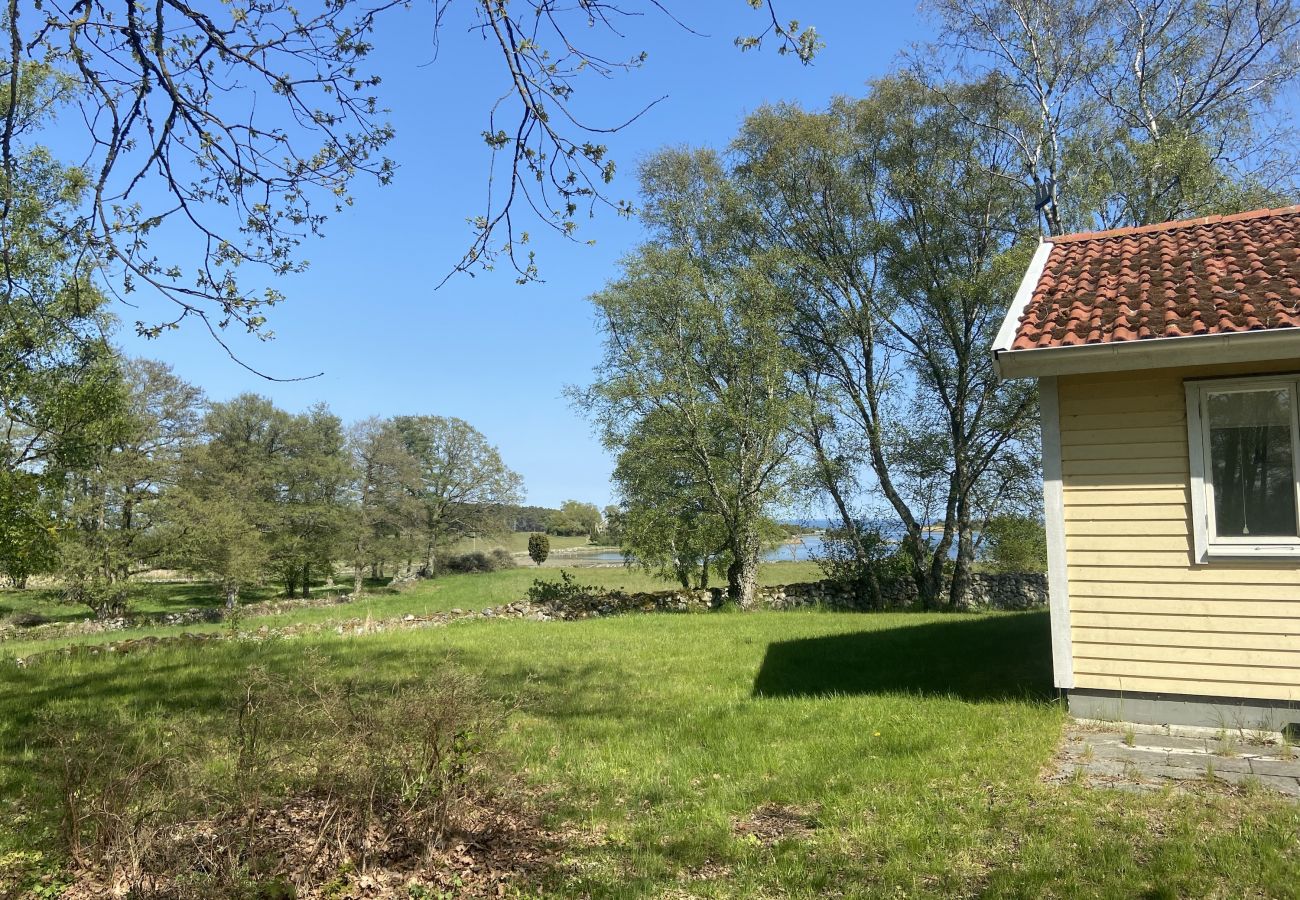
772 823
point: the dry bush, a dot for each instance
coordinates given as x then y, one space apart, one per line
306 778
476 561
113 788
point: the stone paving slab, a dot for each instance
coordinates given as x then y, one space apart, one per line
1267 766
1172 773
1285 785
1128 761
1172 742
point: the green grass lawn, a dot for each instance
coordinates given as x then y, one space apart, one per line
425 597
914 742
152 597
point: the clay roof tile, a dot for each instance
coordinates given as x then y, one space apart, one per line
1203 276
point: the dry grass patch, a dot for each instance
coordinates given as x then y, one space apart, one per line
772 823
311 788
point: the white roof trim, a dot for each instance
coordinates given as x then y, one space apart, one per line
1011 322
1151 353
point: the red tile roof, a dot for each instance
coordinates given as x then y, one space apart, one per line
1203 276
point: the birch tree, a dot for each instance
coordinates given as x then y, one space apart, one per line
899 252
695 372
1130 112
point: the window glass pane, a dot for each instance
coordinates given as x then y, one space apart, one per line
1251 463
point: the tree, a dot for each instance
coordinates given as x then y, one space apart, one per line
115 501
528 518
612 533
60 387
539 547
312 478
1130 112
386 510
461 480
242 129
574 518
1015 544
29 525
694 371
900 250
215 512
231 488
668 524
292 475
59 381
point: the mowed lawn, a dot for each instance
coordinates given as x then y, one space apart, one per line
912 742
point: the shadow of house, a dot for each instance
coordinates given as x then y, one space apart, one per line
993 658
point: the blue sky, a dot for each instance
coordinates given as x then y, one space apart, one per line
485 349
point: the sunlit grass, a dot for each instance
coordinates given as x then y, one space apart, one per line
914 742
467 592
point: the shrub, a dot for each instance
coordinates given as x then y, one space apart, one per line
1014 544
107 599
867 564
28 619
539 547
567 593
479 561
474 561
310 777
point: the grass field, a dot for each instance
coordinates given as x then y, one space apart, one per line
517 542
172 596
909 744
435 595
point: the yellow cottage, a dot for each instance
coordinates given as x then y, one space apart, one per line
1168 361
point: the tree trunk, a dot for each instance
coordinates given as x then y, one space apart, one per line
232 595
961 573
914 548
306 580
742 573
290 583
357 571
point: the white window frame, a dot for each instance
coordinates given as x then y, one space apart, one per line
1208 545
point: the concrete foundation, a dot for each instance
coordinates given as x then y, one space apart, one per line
1232 713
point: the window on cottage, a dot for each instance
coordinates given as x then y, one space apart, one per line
1252 463
1244 455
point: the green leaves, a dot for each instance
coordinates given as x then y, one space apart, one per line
1130 113
692 390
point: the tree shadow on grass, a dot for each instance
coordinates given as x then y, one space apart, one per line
977 659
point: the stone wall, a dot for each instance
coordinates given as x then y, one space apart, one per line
194 616
1024 591
1016 591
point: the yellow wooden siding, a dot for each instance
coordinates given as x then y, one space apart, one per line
1144 616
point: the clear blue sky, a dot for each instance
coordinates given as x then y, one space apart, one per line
485 349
